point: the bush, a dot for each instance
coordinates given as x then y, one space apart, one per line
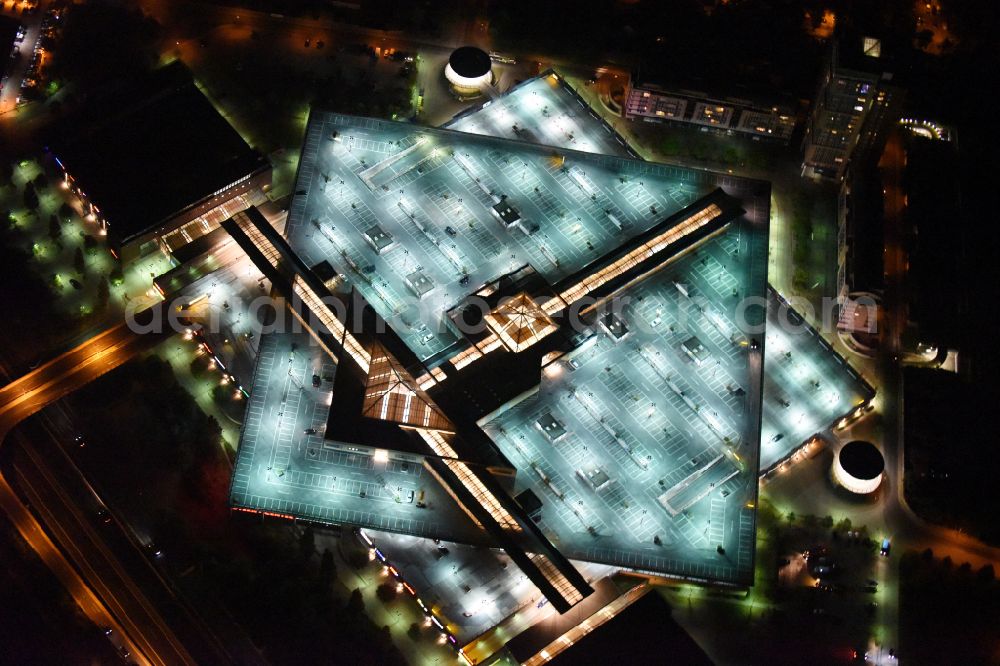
358 559
30 196
386 591
356 603
222 393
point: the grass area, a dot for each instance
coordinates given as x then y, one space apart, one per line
948 613
949 469
231 63
157 458
45 236
776 623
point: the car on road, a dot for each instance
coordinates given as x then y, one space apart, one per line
104 516
886 545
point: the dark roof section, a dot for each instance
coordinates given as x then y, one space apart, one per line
642 633
544 632
470 62
151 148
862 460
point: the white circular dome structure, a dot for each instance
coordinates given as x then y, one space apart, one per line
858 467
468 70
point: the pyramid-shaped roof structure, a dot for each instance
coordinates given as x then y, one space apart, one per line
519 322
391 394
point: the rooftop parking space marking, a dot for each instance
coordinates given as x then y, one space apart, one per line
433 194
614 400
787 384
285 465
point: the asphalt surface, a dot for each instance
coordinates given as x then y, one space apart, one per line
148 638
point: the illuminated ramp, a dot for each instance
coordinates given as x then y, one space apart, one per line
697 485
308 298
392 396
493 509
648 251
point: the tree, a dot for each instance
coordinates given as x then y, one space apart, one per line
66 211
6 173
103 294
413 632
102 40
78 262
117 277
357 559
327 568
41 181
30 196
386 591
222 393
356 603
90 244
307 543
55 229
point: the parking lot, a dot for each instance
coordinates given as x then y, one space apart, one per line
285 466
391 205
796 356
807 385
657 465
649 462
543 110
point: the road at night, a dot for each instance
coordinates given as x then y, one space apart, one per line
150 640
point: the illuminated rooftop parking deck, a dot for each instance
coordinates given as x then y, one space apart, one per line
794 407
433 192
543 110
807 386
473 209
383 202
654 465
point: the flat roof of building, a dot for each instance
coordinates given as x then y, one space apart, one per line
416 182
641 629
544 110
470 62
150 148
592 213
862 460
795 408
